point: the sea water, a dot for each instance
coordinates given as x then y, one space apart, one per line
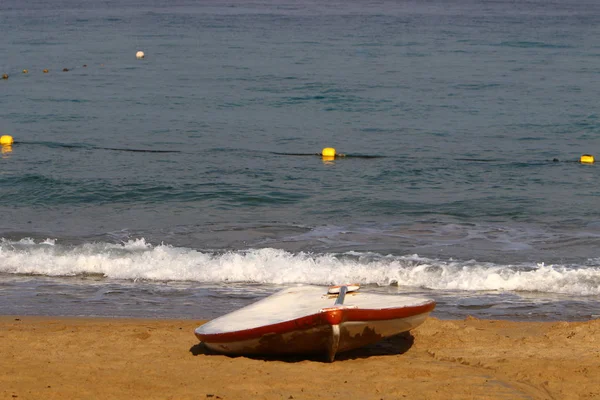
187 185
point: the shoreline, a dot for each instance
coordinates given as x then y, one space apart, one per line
124 358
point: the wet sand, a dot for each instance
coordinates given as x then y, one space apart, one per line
88 358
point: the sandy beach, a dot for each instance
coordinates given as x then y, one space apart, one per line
87 358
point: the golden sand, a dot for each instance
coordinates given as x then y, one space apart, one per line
85 358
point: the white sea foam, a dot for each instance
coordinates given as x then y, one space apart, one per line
137 259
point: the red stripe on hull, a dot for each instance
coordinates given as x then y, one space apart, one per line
331 316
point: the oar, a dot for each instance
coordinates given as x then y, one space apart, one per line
341 296
341 292
334 315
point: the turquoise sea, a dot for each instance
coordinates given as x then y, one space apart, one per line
187 184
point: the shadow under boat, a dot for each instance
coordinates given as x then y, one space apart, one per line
390 346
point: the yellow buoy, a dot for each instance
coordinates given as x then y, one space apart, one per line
5 76
45 71
6 140
139 55
587 159
25 71
328 152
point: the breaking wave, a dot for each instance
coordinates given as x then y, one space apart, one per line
140 260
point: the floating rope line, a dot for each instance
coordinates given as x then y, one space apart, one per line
321 155
7 141
86 147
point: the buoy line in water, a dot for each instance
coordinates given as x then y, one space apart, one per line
86 147
321 155
45 71
328 154
140 55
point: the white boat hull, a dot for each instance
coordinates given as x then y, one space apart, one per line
320 339
294 329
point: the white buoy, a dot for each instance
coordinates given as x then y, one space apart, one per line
139 55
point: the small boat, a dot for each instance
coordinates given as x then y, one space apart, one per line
312 320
